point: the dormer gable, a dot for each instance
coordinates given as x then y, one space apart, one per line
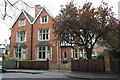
23 20
43 18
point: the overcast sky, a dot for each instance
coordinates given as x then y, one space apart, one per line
53 6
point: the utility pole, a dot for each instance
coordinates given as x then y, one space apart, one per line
18 47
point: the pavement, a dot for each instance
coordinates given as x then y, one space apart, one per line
72 74
93 76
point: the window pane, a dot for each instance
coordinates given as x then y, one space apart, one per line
24 50
65 54
75 50
44 30
47 36
75 55
40 55
46 19
40 49
48 48
43 55
43 36
43 48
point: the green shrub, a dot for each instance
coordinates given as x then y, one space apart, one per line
101 55
115 54
11 59
82 58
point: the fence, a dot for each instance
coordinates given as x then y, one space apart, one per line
10 64
88 65
115 66
44 65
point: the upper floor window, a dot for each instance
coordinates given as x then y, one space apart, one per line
44 19
21 36
22 22
44 34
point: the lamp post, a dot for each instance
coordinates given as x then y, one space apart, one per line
18 47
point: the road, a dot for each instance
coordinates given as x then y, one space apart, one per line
44 75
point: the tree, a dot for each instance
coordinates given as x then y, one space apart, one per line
111 41
9 7
83 26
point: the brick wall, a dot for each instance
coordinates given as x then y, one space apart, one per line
107 63
15 29
38 26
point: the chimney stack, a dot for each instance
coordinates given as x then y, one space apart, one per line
37 9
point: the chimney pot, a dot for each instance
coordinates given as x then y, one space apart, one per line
37 9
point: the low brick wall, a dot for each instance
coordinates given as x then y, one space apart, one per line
59 66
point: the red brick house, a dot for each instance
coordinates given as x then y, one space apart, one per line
33 38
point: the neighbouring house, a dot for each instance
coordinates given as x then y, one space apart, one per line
33 38
1 58
4 48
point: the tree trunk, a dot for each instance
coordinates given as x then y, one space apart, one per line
89 53
89 56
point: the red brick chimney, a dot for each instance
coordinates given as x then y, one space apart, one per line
37 9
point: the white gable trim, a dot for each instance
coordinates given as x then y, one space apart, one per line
44 8
22 11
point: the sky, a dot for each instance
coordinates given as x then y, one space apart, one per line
54 7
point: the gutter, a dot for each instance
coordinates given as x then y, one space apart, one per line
31 41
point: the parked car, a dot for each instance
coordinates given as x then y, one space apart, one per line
2 69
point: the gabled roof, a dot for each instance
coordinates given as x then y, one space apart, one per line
2 46
43 8
29 17
7 46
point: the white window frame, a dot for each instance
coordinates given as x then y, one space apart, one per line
76 53
22 22
41 20
17 38
41 39
46 53
21 52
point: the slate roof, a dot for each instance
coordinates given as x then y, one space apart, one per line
44 43
20 45
29 16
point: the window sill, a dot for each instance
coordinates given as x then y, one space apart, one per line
41 59
21 25
43 22
20 41
44 40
